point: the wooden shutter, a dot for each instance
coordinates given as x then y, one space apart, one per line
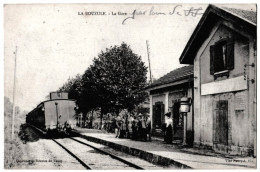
158 114
230 54
162 114
212 54
154 116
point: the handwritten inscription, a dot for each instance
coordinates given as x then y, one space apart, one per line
177 10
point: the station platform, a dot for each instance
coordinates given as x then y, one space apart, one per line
169 154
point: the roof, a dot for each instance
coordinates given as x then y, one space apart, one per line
249 16
243 20
175 75
40 104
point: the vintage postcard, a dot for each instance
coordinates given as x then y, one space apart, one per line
130 86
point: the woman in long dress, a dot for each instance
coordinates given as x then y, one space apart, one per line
168 131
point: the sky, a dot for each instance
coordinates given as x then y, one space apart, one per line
55 42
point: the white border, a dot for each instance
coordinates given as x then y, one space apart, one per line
84 1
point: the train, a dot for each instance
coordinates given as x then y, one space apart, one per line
58 114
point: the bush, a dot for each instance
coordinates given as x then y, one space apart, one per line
12 147
12 152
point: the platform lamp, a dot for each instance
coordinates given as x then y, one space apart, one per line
184 108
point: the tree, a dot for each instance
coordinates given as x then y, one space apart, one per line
72 87
115 81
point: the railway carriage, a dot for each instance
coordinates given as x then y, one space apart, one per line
56 114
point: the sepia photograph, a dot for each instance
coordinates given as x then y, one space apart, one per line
129 86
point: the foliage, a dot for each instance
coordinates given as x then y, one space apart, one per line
72 87
12 147
115 80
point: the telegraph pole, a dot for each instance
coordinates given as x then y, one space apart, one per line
148 53
13 115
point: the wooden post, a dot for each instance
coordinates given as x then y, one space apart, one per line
184 129
13 113
150 70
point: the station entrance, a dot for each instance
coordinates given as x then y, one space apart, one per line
177 121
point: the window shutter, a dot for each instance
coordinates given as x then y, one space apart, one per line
212 54
162 114
230 54
154 113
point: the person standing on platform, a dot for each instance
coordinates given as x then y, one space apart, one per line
139 127
142 127
130 126
149 127
118 125
123 128
135 128
168 131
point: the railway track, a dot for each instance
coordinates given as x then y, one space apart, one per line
111 155
73 155
99 156
83 153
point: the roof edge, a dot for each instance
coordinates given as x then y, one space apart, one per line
179 79
210 9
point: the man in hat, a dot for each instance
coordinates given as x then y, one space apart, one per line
130 126
142 127
118 125
123 128
135 127
139 126
149 126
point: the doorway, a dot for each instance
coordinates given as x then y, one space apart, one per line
220 126
177 121
158 115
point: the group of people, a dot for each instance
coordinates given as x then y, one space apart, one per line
136 127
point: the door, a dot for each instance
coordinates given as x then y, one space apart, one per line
221 123
158 115
177 121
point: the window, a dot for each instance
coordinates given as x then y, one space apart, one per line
222 56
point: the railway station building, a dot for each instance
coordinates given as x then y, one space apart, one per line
165 95
222 49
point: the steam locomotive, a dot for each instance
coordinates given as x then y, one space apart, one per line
56 114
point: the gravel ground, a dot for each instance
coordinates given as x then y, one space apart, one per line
40 153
